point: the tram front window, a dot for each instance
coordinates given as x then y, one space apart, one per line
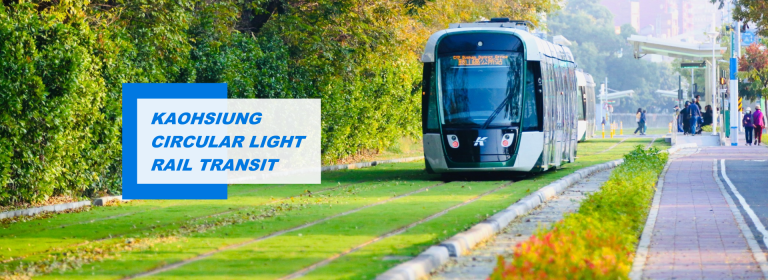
481 89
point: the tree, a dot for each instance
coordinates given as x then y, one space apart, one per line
64 63
753 67
750 11
603 53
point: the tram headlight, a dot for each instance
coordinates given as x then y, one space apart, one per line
453 141
507 139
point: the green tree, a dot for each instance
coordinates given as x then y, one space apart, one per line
603 53
749 11
753 68
64 63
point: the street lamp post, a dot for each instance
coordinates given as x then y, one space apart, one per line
713 34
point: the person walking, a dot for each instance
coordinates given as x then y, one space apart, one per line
637 119
695 114
759 121
643 122
679 119
749 126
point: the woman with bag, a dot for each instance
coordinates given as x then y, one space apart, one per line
637 119
759 120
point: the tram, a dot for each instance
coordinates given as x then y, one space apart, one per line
586 108
498 98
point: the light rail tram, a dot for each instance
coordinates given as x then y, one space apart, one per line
586 108
499 98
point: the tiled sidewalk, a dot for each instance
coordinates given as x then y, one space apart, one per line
696 235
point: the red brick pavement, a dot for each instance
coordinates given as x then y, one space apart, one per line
696 235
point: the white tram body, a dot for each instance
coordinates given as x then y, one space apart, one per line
586 109
498 98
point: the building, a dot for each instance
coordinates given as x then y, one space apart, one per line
677 19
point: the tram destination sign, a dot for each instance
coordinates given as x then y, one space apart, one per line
481 60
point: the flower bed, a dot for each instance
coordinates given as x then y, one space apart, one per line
600 240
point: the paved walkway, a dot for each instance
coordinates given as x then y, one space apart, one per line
696 234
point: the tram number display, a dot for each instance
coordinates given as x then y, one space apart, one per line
481 60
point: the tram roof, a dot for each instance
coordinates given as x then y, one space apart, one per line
581 80
535 47
590 80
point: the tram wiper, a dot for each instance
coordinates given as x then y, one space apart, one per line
497 111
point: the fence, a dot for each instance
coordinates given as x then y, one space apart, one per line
652 120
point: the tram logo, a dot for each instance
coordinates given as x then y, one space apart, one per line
480 141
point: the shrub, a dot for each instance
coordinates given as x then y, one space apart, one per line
598 242
63 64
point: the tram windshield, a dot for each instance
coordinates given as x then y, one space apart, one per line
481 89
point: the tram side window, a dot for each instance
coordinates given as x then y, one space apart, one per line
429 100
532 101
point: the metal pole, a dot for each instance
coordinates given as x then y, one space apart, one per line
605 97
734 85
602 117
714 79
680 88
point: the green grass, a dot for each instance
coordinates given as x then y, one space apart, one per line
171 231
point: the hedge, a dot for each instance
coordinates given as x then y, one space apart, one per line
599 241
62 64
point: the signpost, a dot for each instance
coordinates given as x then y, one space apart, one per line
747 38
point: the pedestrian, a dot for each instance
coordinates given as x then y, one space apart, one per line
696 101
686 118
637 119
644 122
678 123
707 116
758 119
695 114
749 126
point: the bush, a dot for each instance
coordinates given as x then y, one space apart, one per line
64 63
598 242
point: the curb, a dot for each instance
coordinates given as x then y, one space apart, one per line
436 256
101 201
366 164
48 208
433 258
643 245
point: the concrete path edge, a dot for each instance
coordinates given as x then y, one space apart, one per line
641 253
101 201
430 260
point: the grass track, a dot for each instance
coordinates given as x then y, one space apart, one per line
281 255
24 239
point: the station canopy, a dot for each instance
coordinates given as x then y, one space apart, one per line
643 45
